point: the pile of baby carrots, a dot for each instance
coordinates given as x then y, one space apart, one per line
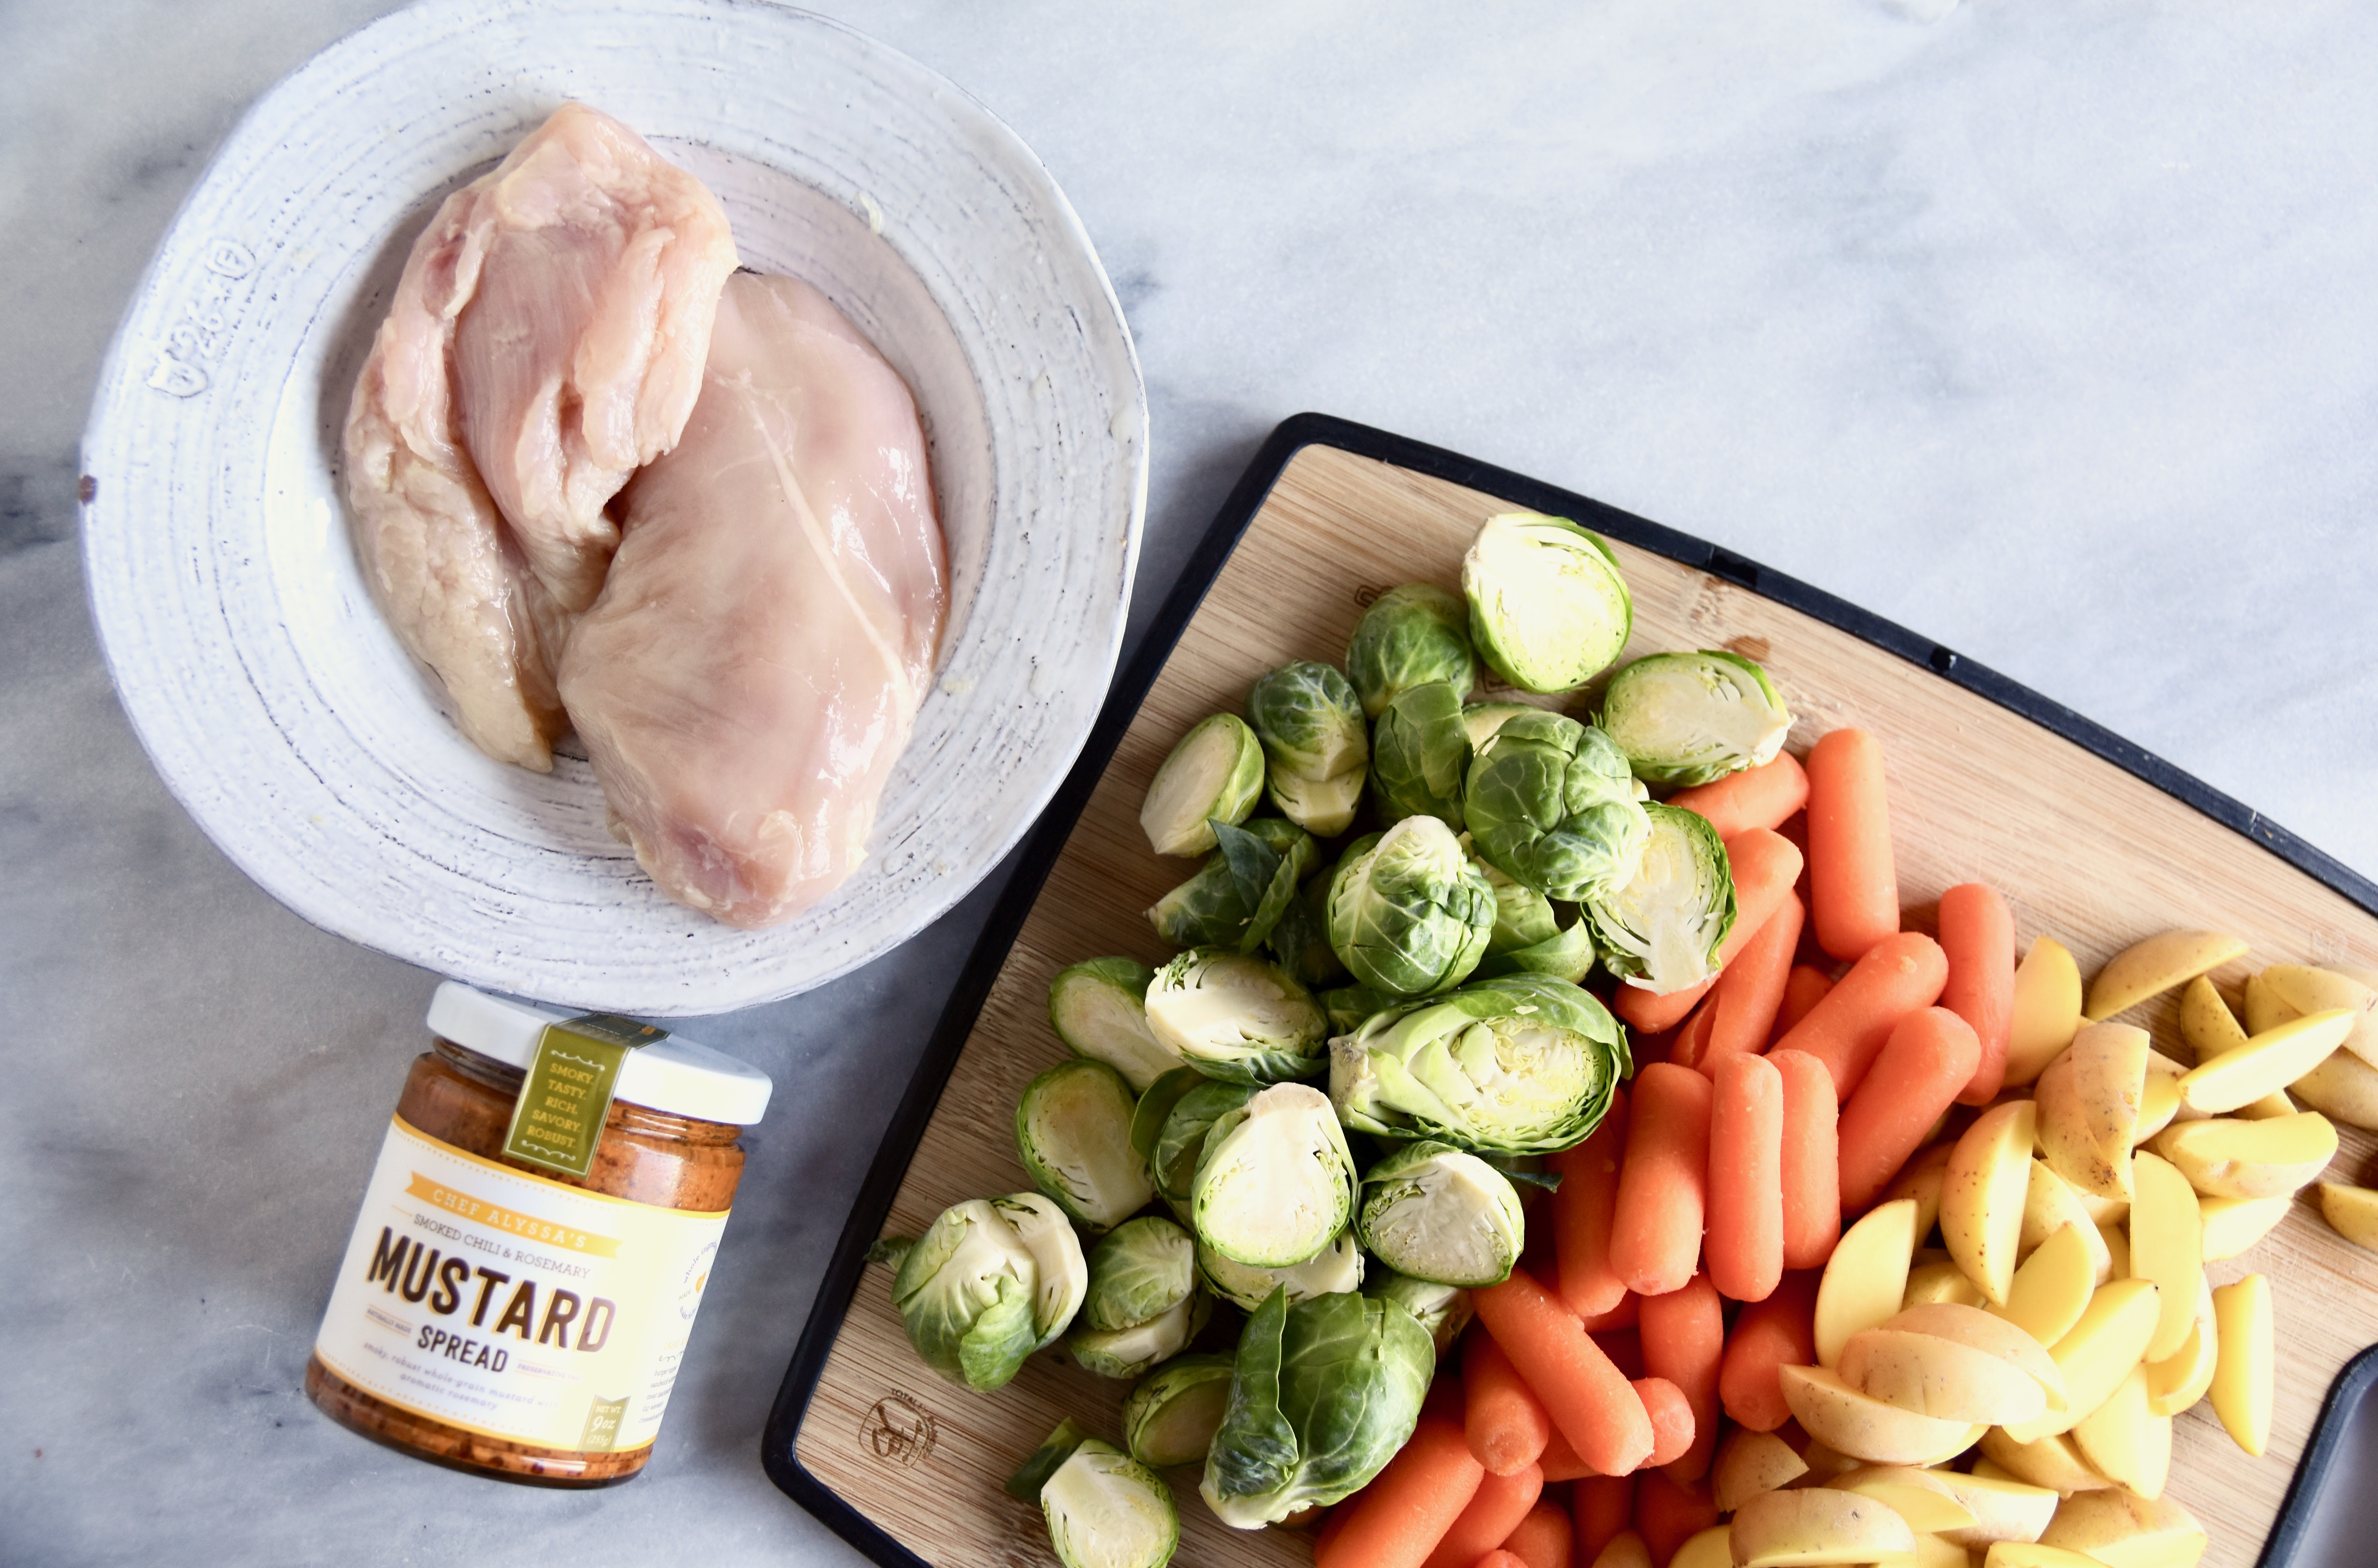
1771 1103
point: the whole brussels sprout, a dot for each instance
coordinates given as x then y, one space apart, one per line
1419 754
1338 1267
1408 913
1685 718
1522 1064
1523 917
1234 1016
1548 609
1182 1137
1300 941
1241 890
1072 1129
1552 803
1322 1395
1098 1008
1483 722
1170 1416
1214 773
1275 1182
1438 1213
1443 1309
1411 635
1127 1352
1567 954
1660 928
1316 743
991 1281
1105 1508
1142 1269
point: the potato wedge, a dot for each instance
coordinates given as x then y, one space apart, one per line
2046 1010
1942 1281
2099 1352
2051 1462
1627 1551
2159 1098
1928 1505
2123 1529
2233 1225
1712 1548
2206 1024
2003 1508
1992 1335
2017 1554
2150 967
2166 1247
2246 1369
2274 1103
1921 1179
2265 1007
1866 1279
2125 1440
2267 1063
2351 1212
2229 1158
2343 1087
1864 1428
1981 1196
2178 1381
2049 1205
2053 1287
2309 989
1939 1377
1749 1463
2089 1106
2117 1246
1816 1525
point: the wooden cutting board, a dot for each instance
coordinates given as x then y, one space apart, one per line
2084 851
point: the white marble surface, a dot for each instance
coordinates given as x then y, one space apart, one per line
2044 331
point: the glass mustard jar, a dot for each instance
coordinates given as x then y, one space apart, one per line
521 1286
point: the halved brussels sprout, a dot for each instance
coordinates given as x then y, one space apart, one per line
1141 1269
1128 1352
1315 744
1483 721
1339 1267
1552 803
1301 940
1685 718
1548 609
991 1281
1522 1064
1155 1102
1234 1015
1419 754
1170 1416
1099 1009
1181 1140
1349 1005
1438 1213
1107 1510
1410 636
1523 917
1443 1309
1276 1182
1408 913
1567 954
1073 1128
1661 929
1322 1395
1214 773
1241 890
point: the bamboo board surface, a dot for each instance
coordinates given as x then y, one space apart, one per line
2084 851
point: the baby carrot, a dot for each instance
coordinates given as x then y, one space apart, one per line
1764 796
1622 1316
1929 1057
1545 1538
1898 975
1581 1214
1750 992
1500 1504
1668 1513
1977 937
1684 1341
1503 1420
1655 1231
1604 1505
1691 1043
1810 1164
1854 891
1402 1516
1672 1420
1744 1249
1653 1012
1804 989
1589 1401
1765 864
1560 1462
1769 1335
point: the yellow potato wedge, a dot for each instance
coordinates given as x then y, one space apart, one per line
2343 1087
1934 1551
2274 1103
2053 1287
1928 1505
2351 1212
2118 1247
2233 1225
2265 1007
1859 1425
2049 1205
1943 1281
1749 1463
1992 1335
2178 1381
2206 1024
2051 1462
1627 1551
2018 1554
2099 1352
2089 1106
1712 1548
2046 1010
2125 1440
2246 1370
1920 1179
2159 1099
2229 1158
2150 967
1824 1462
1981 1196
1866 1279
2267 1063
2003 1508
2167 1247
1816 1525
2123 1529
2309 989
1939 1377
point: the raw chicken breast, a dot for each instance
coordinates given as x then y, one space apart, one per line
750 674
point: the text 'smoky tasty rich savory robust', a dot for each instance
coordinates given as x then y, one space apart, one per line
521 1283
597 484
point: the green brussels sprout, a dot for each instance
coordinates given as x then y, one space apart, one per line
1072 1128
1438 1213
1443 1309
1322 1395
1181 1137
1170 1417
1548 608
1155 1102
1408 912
1214 773
1349 1005
1300 941
1234 1015
1275 1182
1098 1008
1338 1267
1315 741
1043 1461
1523 917
1410 636
1127 1352
991 1281
1105 1508
1419 754
1567 954
1552 803
1141 1269
1522 1064
1241 890
1483 721
1661 929
1685 718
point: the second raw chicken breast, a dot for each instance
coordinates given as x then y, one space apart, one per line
751 671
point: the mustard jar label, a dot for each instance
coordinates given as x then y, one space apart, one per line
558 1119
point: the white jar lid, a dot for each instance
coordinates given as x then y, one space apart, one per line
675 1076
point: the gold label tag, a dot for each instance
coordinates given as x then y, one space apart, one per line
603 1419
558 1119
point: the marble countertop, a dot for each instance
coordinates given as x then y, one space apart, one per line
2044 330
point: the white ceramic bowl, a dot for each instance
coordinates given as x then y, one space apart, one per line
262 680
